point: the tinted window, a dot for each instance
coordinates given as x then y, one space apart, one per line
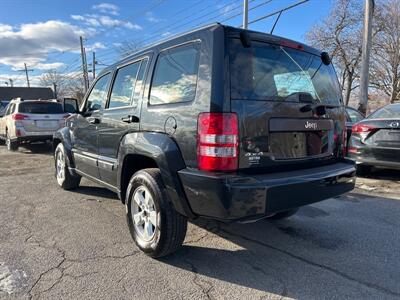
354 115
271 72
124 85
40 108
98 94
389 111
139 82
175 75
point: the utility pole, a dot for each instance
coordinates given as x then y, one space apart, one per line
84 65
245 14
366 50
11 82
94 65
55 90
26 70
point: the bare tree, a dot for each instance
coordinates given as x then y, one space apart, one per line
67 85
51 78
385 63
341 34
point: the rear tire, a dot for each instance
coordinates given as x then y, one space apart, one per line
11 145
65 179
283 214
364 170
156 227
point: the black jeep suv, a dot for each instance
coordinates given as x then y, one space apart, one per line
219 123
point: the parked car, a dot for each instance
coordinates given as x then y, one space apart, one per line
180 132
352 116
27 121
3 106
375 141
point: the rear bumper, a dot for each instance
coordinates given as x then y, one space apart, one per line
244 197
34 138
377 157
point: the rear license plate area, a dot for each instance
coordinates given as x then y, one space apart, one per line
46 124
300 138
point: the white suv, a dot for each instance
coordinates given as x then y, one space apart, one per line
26 121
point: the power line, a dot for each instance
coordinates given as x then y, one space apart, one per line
162 28
278 11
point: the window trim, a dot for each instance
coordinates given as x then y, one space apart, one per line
191 42
140 59
83 106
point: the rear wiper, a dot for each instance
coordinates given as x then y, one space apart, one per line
302 70
317 109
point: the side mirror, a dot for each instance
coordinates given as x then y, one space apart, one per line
70 105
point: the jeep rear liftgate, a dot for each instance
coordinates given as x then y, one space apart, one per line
288 104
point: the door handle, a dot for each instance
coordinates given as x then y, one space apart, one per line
130 119
93 120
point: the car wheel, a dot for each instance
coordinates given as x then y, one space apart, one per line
363 170
64 178
11 145
283 214
156 227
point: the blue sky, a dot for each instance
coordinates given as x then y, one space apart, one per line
45 33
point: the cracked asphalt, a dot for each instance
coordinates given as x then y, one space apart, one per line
56 244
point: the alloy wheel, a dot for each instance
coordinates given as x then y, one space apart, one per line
144 213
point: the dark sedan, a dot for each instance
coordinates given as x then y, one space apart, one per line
352 116
375 141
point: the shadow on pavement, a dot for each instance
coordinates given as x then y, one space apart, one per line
385 174
37 148
275 256
95 191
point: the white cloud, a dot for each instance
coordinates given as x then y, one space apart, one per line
5 28
77 17
96 20
107 8
151 18
48 66
30 43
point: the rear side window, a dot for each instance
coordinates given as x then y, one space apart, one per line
40 108
175 75
128 85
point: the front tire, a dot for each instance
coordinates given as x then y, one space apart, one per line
65 179
156 227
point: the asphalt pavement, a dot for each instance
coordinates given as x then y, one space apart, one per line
57 244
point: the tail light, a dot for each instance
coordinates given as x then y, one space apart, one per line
217 141
360 128
19 117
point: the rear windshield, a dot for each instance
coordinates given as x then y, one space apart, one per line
387 112
272 72
41 108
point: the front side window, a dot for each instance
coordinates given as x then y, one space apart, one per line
98 94
175 75
124 85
